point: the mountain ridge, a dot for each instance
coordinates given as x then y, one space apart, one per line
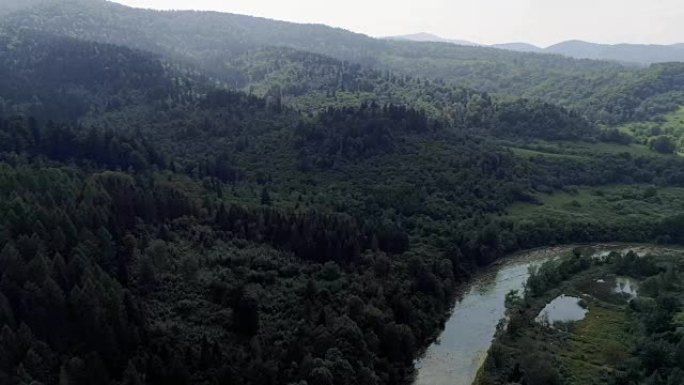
629 53
643 54
214 43
623 52
161 228
428 37
519 47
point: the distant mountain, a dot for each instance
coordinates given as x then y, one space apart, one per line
61 78
212 40
519 47
10 6
577 48
424 37
217 43
428 37
626 53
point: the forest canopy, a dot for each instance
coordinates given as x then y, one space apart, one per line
200 198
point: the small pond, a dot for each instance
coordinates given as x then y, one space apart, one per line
455 357
562 309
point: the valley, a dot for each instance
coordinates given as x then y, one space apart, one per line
209 198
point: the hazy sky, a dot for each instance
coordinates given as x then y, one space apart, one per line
542 22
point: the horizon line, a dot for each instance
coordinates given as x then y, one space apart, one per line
374 36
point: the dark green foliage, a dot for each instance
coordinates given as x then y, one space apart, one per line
353 134
265 197
539 370
619 168
246 313
653 92
632 265
540 120
61 142
310 235
672 229
133 229
663 144
614 135
64 79
157 228
549 274
659 350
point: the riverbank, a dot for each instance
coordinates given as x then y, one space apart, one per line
455 356
608 342
458 352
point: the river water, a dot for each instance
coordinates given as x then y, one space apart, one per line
456 356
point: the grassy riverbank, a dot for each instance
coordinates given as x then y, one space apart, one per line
619 340
608 203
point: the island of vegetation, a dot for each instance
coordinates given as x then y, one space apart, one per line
207 198
628 327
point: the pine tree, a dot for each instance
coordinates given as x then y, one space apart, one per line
265 197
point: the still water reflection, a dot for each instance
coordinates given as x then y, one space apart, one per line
562 309
462 347
456 356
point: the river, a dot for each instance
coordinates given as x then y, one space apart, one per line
456 356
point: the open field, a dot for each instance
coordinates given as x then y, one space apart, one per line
606 203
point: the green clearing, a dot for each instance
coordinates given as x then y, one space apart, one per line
597 344
578 150
606 203
590 351
674 122
671 124
527 153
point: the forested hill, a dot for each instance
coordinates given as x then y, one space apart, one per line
10 6
212 41
626 53
308 80
642 54
198 36
69 80
63 79
308 226
167 233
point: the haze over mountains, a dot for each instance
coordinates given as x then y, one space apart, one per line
428 37
220 44
293 35
626 53
203 198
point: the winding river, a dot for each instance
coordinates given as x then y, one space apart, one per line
456 356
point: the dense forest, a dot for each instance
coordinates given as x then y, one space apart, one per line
231 48
293 215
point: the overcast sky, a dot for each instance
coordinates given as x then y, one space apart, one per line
542 22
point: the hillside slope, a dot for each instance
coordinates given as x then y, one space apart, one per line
428 37
632 54
519 47
174 240
211 41
627 53
58 78
170 231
